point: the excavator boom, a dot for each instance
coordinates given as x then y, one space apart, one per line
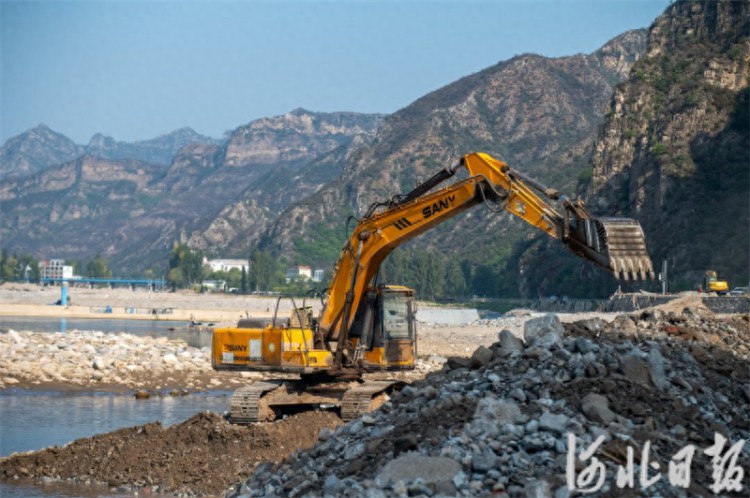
614 244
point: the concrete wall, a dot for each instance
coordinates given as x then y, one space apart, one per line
717 304
447 316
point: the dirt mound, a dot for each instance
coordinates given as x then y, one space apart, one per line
687 300
201 456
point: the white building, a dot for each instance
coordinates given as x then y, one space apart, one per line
215 285
298 273
225 264
55 269
318 275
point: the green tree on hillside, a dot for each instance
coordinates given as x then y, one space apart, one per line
98 268
185 266
18 268
264 273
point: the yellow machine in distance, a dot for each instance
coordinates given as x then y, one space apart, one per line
364 326
711 283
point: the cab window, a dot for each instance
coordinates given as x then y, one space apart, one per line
396 313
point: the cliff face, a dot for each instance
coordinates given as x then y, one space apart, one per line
298 135
673 152
537 114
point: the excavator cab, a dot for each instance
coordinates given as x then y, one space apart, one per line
383 333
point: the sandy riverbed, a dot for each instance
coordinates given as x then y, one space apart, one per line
32 300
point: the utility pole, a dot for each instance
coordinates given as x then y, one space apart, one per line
663 276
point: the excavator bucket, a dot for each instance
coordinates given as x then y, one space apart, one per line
617 244
626 246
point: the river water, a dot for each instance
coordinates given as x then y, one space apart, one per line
32 420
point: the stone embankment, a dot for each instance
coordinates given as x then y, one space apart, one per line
640 394
717 304
98 360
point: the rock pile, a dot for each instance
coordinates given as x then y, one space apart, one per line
654 405
97 359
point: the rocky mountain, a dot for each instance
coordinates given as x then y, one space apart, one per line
132 211
159 150
674 150
246 220
40 148
35 150
536 113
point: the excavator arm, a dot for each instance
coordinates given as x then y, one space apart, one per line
614 244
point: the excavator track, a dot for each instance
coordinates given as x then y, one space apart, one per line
248 406
364 398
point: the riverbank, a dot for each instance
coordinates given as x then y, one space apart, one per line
17 299
109 362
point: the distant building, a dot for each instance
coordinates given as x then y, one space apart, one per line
55 269
225 264
215 285
318 275
298 273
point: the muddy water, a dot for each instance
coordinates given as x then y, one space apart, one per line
34 420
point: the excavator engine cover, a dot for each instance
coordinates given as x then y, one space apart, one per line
619 245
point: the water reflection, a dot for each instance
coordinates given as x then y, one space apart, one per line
56 490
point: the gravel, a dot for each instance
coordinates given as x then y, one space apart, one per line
657 380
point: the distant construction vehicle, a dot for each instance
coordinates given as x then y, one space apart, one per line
365 326
711 283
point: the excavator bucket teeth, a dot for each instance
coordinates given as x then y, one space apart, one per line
626 248
617 244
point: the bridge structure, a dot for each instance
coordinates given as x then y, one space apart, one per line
152 284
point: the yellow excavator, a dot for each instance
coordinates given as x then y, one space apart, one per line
711 283
367 327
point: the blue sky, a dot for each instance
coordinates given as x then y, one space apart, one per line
137 69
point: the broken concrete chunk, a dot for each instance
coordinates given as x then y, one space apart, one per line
656 369
501 411
544 331
412 466
596 408
481 357
636 370
509 341
554 422
482 461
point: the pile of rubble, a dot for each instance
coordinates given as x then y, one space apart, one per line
654 404
97 359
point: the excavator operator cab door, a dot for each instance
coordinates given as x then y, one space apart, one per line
395 328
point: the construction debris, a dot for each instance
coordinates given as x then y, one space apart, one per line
659 388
